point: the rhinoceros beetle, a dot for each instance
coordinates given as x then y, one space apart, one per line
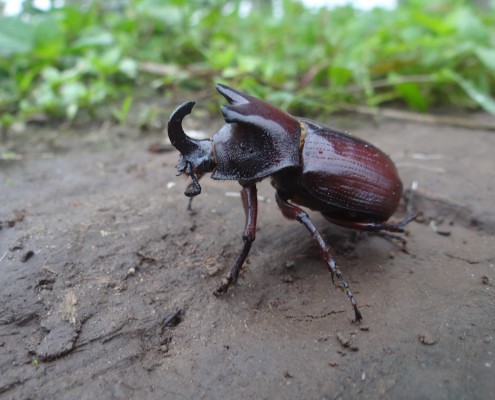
351 182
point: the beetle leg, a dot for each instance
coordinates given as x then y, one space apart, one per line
250 202
396 240
191 187
372 226
292 212
378 228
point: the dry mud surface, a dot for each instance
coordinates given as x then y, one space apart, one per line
106 280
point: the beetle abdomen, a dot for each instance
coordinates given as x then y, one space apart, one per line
349 174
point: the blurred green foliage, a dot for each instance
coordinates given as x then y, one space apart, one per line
421 55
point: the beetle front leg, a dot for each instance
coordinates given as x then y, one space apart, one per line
249 195
192 189
292 212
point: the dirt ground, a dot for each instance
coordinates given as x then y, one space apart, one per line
107 281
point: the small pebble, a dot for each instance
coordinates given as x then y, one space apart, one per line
427 338
346 342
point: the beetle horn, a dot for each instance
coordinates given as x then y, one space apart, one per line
177 136
196 155
233 96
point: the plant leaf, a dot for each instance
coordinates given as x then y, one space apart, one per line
16 36
482 98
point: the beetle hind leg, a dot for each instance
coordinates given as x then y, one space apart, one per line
295 213
398 227
372 226
381 229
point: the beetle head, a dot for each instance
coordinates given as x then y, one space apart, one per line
196 155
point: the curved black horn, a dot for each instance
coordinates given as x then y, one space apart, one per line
177 136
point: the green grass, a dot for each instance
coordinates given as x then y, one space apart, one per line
422 55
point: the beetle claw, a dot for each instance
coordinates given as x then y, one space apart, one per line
344 286
189 208
224 288
357 314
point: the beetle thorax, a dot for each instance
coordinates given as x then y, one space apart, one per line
248 153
